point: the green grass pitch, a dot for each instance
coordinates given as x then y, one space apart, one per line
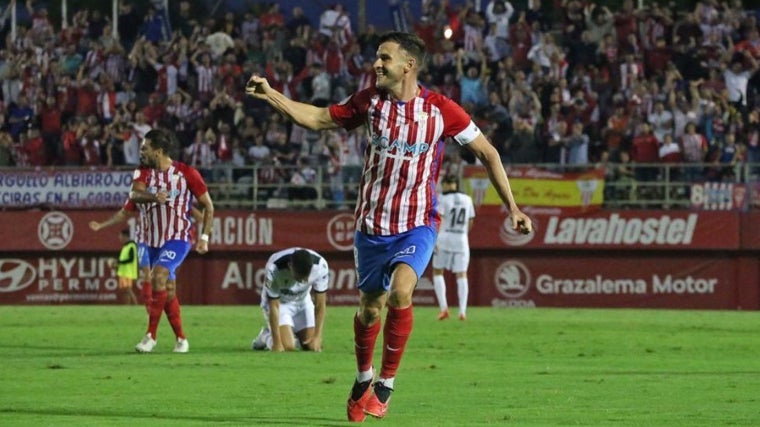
75 366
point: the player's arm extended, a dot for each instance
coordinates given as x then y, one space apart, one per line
274 324
120 216
488 155
320 308
207 223
306 115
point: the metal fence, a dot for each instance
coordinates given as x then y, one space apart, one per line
321 186
627 186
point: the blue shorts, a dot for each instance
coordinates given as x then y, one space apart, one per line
169 256
143 257
375 256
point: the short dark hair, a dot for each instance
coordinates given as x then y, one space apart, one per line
450 179
411 43
163 139
126 232
301 262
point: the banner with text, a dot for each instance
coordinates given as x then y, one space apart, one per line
651 281
636 230
233 231
655 280
208 279
541 189
64 189
269 231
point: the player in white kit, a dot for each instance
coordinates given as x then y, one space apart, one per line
287 304
452 249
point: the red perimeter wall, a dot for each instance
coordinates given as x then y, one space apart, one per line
658 259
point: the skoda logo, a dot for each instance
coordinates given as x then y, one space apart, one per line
512 279
15 275
55 230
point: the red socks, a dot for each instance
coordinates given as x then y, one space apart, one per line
155 311
146 292
398 327
364 343
172 310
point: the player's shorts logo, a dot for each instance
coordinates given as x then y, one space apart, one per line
15 275
513 237
411 250
55 230
512 279
340 231
167 255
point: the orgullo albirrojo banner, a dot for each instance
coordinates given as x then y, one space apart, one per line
61 189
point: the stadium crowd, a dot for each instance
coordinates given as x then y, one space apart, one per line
568 83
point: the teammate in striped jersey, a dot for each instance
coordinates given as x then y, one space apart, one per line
452 249
143 263
167 188
396 212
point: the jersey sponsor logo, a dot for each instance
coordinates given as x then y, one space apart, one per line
15 275
55 230
512 279
340 231
172 194
399 147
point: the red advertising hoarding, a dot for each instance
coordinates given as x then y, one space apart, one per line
333 231
606 280
605 259
233 231
623 230
222 279
498 280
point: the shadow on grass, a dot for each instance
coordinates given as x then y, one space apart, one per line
254 419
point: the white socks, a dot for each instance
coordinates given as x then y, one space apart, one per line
463 290
364 376
440 291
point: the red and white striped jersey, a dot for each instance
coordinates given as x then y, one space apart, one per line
171 220
205 78
141 223
403 157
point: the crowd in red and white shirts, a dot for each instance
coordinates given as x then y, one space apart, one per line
560 81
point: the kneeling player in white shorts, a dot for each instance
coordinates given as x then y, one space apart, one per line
287 302
452 249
